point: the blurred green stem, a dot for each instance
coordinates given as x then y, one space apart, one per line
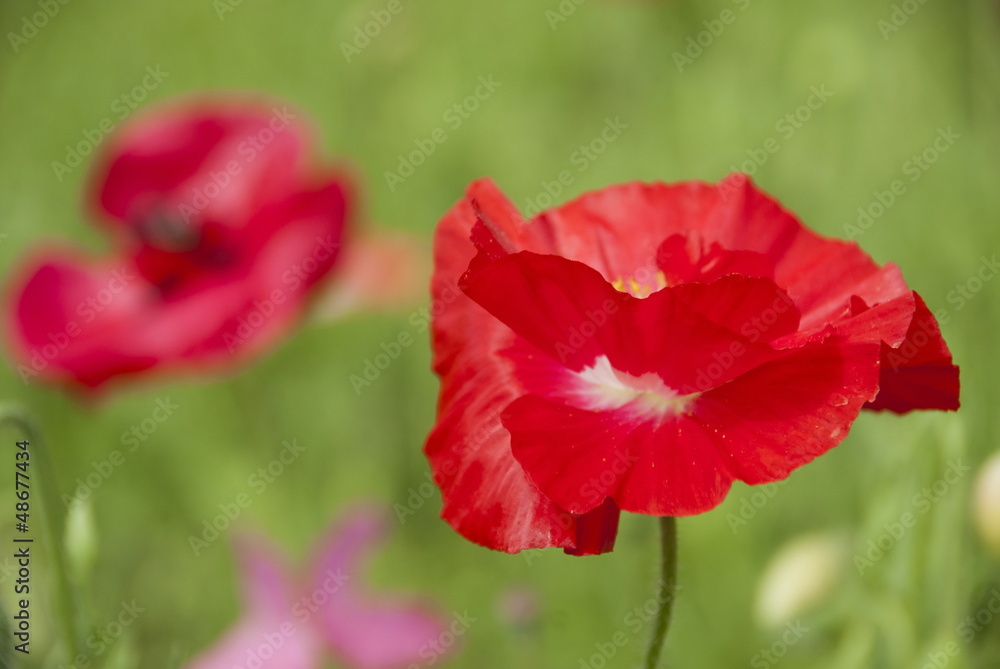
666 590
53 520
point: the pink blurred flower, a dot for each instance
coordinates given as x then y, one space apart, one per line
293 624
221 229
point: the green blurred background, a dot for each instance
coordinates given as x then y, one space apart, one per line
892 93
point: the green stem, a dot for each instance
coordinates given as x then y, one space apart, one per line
666 591
53 521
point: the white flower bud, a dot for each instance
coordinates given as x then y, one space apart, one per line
81 538
800 576
986 503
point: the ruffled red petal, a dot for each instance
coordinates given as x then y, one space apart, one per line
617 230
918 373
219 163
785 413
686 258
69 320
487 497
569 312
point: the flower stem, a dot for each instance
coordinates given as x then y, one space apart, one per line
53 520
666 590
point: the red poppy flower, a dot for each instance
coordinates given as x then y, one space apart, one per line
222 229
645 346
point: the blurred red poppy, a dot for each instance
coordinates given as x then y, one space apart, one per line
643 347
222 229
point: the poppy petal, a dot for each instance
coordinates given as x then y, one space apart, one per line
687 258
756 308
70 320
543 299
487 497
569 312
918 373
218 162
367 632
819 273
758 428
268 634
785 413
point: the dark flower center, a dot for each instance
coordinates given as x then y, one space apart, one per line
168 232
179 252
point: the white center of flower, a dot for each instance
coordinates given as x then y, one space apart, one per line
603 387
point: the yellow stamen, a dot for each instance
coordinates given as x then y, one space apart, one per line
640 289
